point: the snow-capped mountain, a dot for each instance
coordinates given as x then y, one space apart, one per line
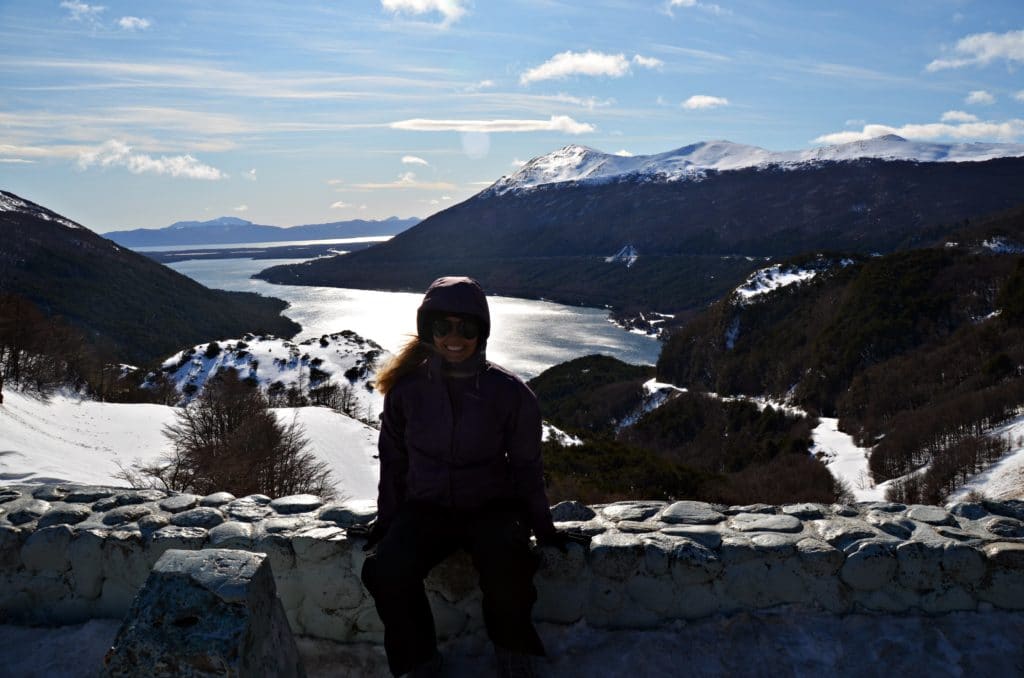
580 163
12 203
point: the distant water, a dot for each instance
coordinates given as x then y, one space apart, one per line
527 337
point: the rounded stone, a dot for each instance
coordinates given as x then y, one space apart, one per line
931 515
87 495
758 522
694 563
631 510
346 515
230 534
297 503
616 555
125 514
571 510
247 510
204 516
691 513
65 515
804 511
1005 527
217 499
50 493
870 567
152 522
28 511
179 503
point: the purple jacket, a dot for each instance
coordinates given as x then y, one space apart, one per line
461 441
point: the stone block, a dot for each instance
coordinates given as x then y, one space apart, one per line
47 549
124 559
760 522
948 600
1004 589
152 523
654 593
931 515
616 555
203 613
86 555
217 499
919 565
708 535
819 558
64 514
317 544
561 600
567 511
180 502
23 511
449 620
843 532
250 509
556 565
696 601
805 511
87 495
871 566
693 563
123 515
632 510
962 563
969 510
279 550
297 503
765 582
1004 527
10 547
691 513
319 622
231 535
1008 555
350 513
205 517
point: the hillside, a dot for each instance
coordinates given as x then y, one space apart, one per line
695 221
228 230
137 310
917 353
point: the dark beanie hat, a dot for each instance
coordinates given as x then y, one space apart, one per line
456 295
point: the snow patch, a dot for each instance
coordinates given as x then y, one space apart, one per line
627 255
11 203
552 433
1001 245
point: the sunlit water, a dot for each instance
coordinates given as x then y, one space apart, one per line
527 336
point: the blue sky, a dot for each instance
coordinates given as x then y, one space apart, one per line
139 114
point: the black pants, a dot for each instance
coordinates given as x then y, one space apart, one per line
421 537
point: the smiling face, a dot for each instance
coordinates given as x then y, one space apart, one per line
453 346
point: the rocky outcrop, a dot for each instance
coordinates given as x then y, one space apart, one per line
213 612
69 553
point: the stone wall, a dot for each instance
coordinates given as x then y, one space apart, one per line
71 553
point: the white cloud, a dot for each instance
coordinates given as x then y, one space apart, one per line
693 4
407 180
557 123
413 160
683 3
16 161
241 208
980 97
340 205
567 64
134 23
452 10
624 153
958 116
117 154
647 62
1010 130
982 49
250 175
702 101
80 10
335 182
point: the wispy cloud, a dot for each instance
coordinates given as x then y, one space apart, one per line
82 11
118 154
413 160
958 116
703 101
16 161
980 97
594 64
981 49
1009 130
134 23
694 4
451 10
250 175
407 180
241 208
557 123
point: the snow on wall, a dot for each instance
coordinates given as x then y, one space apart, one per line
72 553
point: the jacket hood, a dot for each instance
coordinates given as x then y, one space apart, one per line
458 295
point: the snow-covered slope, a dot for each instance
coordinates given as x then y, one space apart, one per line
344 359
67 439
580 163
12 203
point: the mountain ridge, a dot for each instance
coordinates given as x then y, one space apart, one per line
231 230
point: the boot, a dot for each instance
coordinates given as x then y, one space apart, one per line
512 664
428 669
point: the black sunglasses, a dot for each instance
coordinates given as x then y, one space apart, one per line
469 328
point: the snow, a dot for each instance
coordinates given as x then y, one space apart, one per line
1005 478
1000 245
549 432
627 254
772 278
784 641
269 359
11 203
576 163
67 439
845 460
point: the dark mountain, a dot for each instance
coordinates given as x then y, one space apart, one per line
123 301
695 237
226 230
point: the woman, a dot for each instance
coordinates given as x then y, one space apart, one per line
460 467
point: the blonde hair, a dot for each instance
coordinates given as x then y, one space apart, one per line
408 358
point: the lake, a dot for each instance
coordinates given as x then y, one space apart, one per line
527 336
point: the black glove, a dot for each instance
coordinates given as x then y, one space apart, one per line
371 531
560 539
